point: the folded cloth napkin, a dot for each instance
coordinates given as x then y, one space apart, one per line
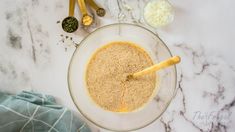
33 112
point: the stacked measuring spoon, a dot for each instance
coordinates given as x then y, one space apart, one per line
70 24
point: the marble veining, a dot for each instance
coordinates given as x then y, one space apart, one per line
35 53
213 68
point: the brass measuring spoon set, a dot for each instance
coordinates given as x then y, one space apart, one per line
70 24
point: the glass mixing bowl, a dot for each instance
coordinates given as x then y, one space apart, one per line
114 121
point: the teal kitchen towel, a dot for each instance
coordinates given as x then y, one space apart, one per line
33 112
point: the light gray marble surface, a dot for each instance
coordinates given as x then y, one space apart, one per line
34 55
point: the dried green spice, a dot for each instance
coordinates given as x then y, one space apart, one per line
70 24
100 12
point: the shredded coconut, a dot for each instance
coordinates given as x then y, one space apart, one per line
158 13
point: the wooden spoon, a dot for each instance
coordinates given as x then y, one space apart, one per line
171 61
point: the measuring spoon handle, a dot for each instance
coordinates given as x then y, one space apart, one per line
82 7
71 7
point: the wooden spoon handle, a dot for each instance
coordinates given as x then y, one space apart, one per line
161 65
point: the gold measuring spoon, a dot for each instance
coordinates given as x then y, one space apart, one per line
86 19
99 11
70 23
171 61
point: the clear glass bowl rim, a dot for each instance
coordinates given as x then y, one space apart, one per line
73 98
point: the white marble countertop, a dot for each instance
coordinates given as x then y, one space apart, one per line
34 55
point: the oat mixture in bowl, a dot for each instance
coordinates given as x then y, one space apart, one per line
120 105
106 77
